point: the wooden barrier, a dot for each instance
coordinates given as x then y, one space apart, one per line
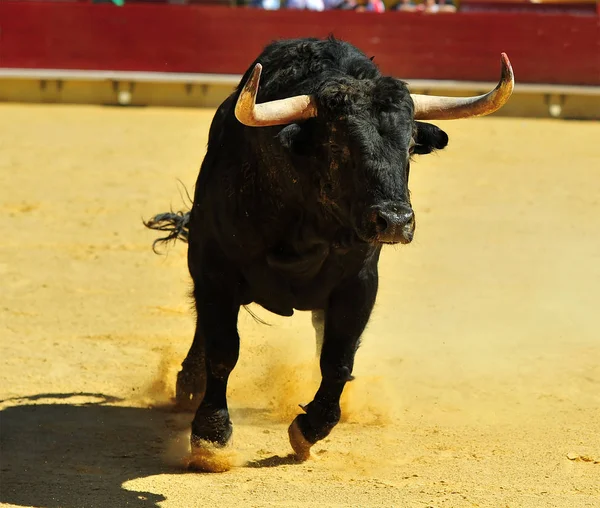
569 7
548 48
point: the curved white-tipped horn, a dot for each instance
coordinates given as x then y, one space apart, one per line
451 108
280 112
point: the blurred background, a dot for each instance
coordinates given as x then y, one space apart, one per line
192 52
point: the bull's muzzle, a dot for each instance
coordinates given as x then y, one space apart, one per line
394 223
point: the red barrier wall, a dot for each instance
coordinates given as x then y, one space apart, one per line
544 48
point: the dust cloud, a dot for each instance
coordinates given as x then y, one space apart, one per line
159 391
206 457
278 380
369 400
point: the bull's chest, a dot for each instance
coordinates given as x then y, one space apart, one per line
288 278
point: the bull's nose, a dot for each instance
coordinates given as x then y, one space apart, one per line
395 224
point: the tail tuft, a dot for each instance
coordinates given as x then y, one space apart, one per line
176 223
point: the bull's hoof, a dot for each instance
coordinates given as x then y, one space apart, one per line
212 426
299 443
189 390
208 457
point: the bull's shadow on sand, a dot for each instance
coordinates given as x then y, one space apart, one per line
79 455
76 450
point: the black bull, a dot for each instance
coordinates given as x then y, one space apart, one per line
294 216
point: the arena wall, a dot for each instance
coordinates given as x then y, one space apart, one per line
161 39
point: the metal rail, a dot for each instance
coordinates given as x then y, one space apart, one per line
233 80
209 90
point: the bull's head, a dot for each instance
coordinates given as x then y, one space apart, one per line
367 130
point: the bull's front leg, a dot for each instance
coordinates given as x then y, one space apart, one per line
217 325
346 317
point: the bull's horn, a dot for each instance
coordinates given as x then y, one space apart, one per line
451 108
280 112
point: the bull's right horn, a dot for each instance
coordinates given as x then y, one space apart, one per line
451 108
280 112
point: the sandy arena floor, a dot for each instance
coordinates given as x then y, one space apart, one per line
478 383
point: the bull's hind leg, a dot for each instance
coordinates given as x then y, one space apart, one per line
347 315
191 380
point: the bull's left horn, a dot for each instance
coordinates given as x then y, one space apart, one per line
280 112
452 108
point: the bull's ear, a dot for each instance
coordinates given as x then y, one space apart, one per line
429 137
288 134
294 137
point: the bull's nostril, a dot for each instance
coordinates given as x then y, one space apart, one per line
408 217
381 224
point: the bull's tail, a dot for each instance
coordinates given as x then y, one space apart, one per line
176 224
